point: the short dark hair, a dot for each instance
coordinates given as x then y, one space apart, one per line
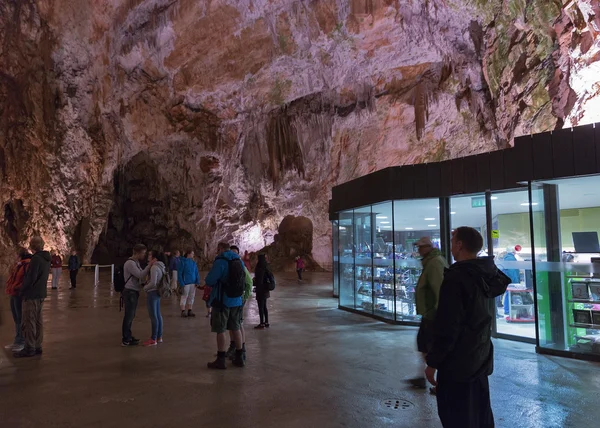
188 251
471 239
224 246
234 248
138 248
158 255
23 252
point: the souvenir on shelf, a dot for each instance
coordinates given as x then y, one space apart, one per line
595 292
580 290
582 316
596 318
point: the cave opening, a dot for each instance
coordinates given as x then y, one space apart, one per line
141 214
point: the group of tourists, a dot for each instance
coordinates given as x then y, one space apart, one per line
56 266
455 333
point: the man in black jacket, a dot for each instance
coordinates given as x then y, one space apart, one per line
462 351
33 293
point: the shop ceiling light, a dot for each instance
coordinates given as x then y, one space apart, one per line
382 217
432 225
493 198
453 212
408 228
429 219
384 222
526 204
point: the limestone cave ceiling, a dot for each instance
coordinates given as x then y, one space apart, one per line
196 121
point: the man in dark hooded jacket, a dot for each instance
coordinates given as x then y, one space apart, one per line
33 293
462 351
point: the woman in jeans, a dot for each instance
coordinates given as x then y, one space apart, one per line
157 261
12 289
262 291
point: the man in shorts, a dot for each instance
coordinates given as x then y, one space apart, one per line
245 297
227 311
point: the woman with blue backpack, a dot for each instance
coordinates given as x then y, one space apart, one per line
264 283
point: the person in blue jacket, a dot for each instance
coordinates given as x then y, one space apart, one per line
227 311
513 274
188 279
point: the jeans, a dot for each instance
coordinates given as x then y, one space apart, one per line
56 276
263 312
32 326
73 275
299 272
16 308
130 301
156 318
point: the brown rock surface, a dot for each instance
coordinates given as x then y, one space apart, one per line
172 121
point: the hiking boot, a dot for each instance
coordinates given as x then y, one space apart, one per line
184 314
24 353
219 363
191 314
418 382
238 361
259 327
230 354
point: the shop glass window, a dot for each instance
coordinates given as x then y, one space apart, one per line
383 260
567 269
469 211
363 260
346 258
413 219
335 257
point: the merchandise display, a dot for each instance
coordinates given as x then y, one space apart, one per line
584 306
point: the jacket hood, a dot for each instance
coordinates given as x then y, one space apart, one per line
43 254
494 281
160 265
229 255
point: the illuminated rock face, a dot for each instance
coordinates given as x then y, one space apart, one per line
181 122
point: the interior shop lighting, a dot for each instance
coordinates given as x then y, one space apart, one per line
382 217
384 222
453 212
408 228
432 225
493 198
526 204
429 219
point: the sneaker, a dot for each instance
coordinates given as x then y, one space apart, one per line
267 325
159 340
184 314
134 341
24 353
124 343
218 364
191 314
18 348
150 342
418 382
259 327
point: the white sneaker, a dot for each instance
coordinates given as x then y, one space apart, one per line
18 348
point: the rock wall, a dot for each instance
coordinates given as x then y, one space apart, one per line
172 121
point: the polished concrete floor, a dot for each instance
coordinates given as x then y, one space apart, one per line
316 367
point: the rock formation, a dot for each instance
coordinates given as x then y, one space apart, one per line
172 121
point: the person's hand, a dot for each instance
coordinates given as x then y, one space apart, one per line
430 375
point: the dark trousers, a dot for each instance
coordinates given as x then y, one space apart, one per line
299 272
16 309
73 275
263 312
464 404
32 326
130 302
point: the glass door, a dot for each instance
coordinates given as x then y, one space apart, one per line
335 257
346 258
363 261
513 253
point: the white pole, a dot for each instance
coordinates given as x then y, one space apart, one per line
97 275
112 274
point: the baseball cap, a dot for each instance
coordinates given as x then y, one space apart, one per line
424 242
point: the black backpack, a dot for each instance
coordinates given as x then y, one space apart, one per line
119 279
236 279
270 280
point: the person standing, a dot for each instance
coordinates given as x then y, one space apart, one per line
133 273
174 268
261 283
246 260
245 297
427 296
74 265
56 265
227 273
462 352
157 271
188 278
299 267
33 293
13 286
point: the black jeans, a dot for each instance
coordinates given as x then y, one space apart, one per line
16 307
263 312
464 404
299 271
130 301
73 275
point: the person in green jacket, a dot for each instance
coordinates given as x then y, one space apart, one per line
427 296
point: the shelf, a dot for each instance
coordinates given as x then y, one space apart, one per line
591 302
590 326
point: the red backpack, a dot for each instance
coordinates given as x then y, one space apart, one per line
15 281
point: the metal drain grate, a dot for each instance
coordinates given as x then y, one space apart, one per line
397 404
